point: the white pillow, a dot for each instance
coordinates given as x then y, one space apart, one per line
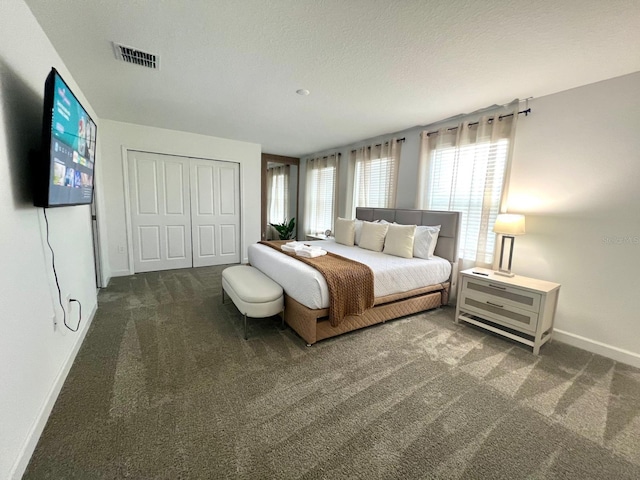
358 231
425 241
345 231
399 240
372 236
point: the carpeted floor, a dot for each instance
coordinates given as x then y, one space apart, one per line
165 387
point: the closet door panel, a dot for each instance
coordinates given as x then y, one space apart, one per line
159 196
149 238
184 211
207 244
228 190
215 212
146 183
176 246
175 194
229 243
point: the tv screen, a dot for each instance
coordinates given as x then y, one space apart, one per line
65 173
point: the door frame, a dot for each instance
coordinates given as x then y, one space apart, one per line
127 199
95 234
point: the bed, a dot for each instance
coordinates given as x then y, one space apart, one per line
402 286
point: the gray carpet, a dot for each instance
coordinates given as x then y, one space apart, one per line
165 387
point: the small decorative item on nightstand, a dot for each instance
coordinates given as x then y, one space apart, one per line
520 308
318 236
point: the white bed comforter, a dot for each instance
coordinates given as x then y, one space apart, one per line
307 285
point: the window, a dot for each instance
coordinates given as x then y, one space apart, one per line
277 194
469 179
320 194
465 169
376 175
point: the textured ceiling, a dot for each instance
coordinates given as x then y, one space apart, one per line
231 68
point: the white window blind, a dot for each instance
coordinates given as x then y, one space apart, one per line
376 175
320 196
465 168
469 179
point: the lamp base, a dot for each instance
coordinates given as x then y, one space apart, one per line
504 273
501 271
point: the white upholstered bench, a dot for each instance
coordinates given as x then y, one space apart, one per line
253 293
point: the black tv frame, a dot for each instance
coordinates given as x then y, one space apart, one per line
42 164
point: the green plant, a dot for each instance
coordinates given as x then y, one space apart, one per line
286 230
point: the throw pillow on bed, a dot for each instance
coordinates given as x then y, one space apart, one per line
399 240
425 241
372 237
345 231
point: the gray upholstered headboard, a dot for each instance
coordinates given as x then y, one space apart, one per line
447 246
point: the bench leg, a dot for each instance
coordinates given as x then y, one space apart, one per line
245 326
223 295
282 327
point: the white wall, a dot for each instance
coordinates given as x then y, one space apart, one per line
575 171
34 357
117 136
575 175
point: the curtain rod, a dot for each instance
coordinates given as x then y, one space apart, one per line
379 144
526 113
326 156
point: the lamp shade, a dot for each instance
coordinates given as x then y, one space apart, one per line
509 224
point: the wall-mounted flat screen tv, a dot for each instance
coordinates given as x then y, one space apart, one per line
64 173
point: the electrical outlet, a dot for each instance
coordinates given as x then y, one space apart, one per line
121 249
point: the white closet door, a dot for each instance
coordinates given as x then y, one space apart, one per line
215 212
160 211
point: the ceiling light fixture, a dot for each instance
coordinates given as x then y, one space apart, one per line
303 91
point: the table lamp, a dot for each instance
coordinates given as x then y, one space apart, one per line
509 225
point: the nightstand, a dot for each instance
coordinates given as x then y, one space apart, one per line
518 307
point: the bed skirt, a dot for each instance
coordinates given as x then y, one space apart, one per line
313 325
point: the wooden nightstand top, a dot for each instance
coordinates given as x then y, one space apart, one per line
520 281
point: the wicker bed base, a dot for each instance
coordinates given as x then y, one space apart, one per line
313 325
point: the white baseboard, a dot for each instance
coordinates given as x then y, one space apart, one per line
120 273
614 353
30 443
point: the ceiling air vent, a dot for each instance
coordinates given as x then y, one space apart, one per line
137 57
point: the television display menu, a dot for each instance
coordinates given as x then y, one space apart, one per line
69 141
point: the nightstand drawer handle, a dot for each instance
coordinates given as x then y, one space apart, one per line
497 286
495 305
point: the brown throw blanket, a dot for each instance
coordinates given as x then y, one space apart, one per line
350 282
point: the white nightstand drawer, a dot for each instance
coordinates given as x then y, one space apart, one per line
500 312
503 294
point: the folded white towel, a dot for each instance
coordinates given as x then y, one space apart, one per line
292 246
310 252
